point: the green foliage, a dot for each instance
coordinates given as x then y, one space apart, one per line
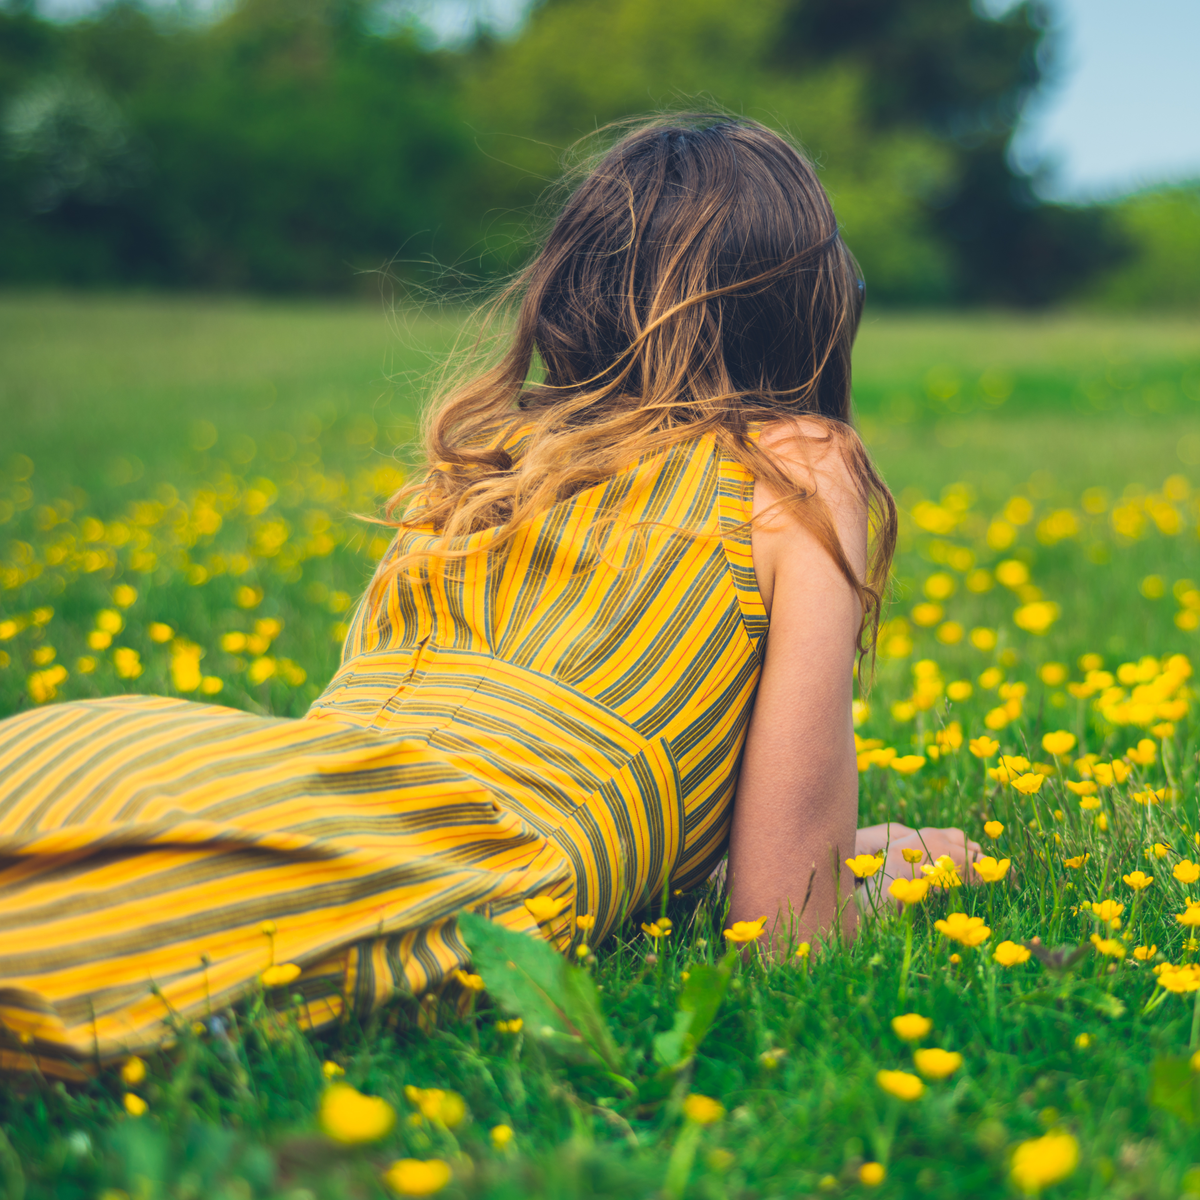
294 145
296 394
699 1002
1163 267
526 976
285 147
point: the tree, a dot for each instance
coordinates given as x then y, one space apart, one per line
908 107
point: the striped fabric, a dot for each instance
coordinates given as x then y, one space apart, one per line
560 718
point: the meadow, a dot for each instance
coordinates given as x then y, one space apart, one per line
182 487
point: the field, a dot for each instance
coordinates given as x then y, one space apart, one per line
179 484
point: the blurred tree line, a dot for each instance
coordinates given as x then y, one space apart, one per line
302 144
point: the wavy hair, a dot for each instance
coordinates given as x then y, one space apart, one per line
693 283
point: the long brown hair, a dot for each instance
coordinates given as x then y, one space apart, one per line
694 283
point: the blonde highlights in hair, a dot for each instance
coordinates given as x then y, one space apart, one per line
694 283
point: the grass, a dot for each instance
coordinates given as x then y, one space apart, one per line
133 423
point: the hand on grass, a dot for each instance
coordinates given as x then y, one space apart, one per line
930 843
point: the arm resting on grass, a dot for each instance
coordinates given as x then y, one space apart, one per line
795 815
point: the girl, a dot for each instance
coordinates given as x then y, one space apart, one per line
614 636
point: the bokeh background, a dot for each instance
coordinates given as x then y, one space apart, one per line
301 145
239 239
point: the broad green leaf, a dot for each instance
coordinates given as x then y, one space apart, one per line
528 977
699 1003
1173 1088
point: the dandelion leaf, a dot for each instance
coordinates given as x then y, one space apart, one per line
1175 1088
699 1003
529 978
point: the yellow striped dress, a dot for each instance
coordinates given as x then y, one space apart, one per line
561 718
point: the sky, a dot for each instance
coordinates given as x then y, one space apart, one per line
1123 113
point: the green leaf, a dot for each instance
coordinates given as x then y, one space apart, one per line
699 1004
1174 1088
527 976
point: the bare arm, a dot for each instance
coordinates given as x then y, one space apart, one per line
796 812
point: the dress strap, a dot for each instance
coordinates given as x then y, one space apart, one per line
735 500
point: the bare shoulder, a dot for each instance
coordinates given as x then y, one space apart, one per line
813 453
814 457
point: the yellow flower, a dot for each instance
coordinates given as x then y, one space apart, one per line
865 865
349 1117
937 1064
1036 617
1160 850
1053 674
1086 788
159 632
502 1136
1138 880
1143 754
1178 979
912 855
1144 953
1010 954
909 891
133 1071
703 1110
991 871
110 621
872 1174
908 764
1106 910
1186 871
438 1105
742 932
959 690
1028 784
943 873
1058 743
473 983
900 1084
135 1106
545 908
1150 795
803 950
261 669
997 718
1190 917
513 1026
911 1027
124 596
1109 947
955 959
185 666
1008 768
1042 1161
958 927
983 747
332 1070
127 662
279 976
585 922
1076 862
993 829
418 1177
1083 1041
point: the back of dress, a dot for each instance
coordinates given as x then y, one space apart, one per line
598 677
561 718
